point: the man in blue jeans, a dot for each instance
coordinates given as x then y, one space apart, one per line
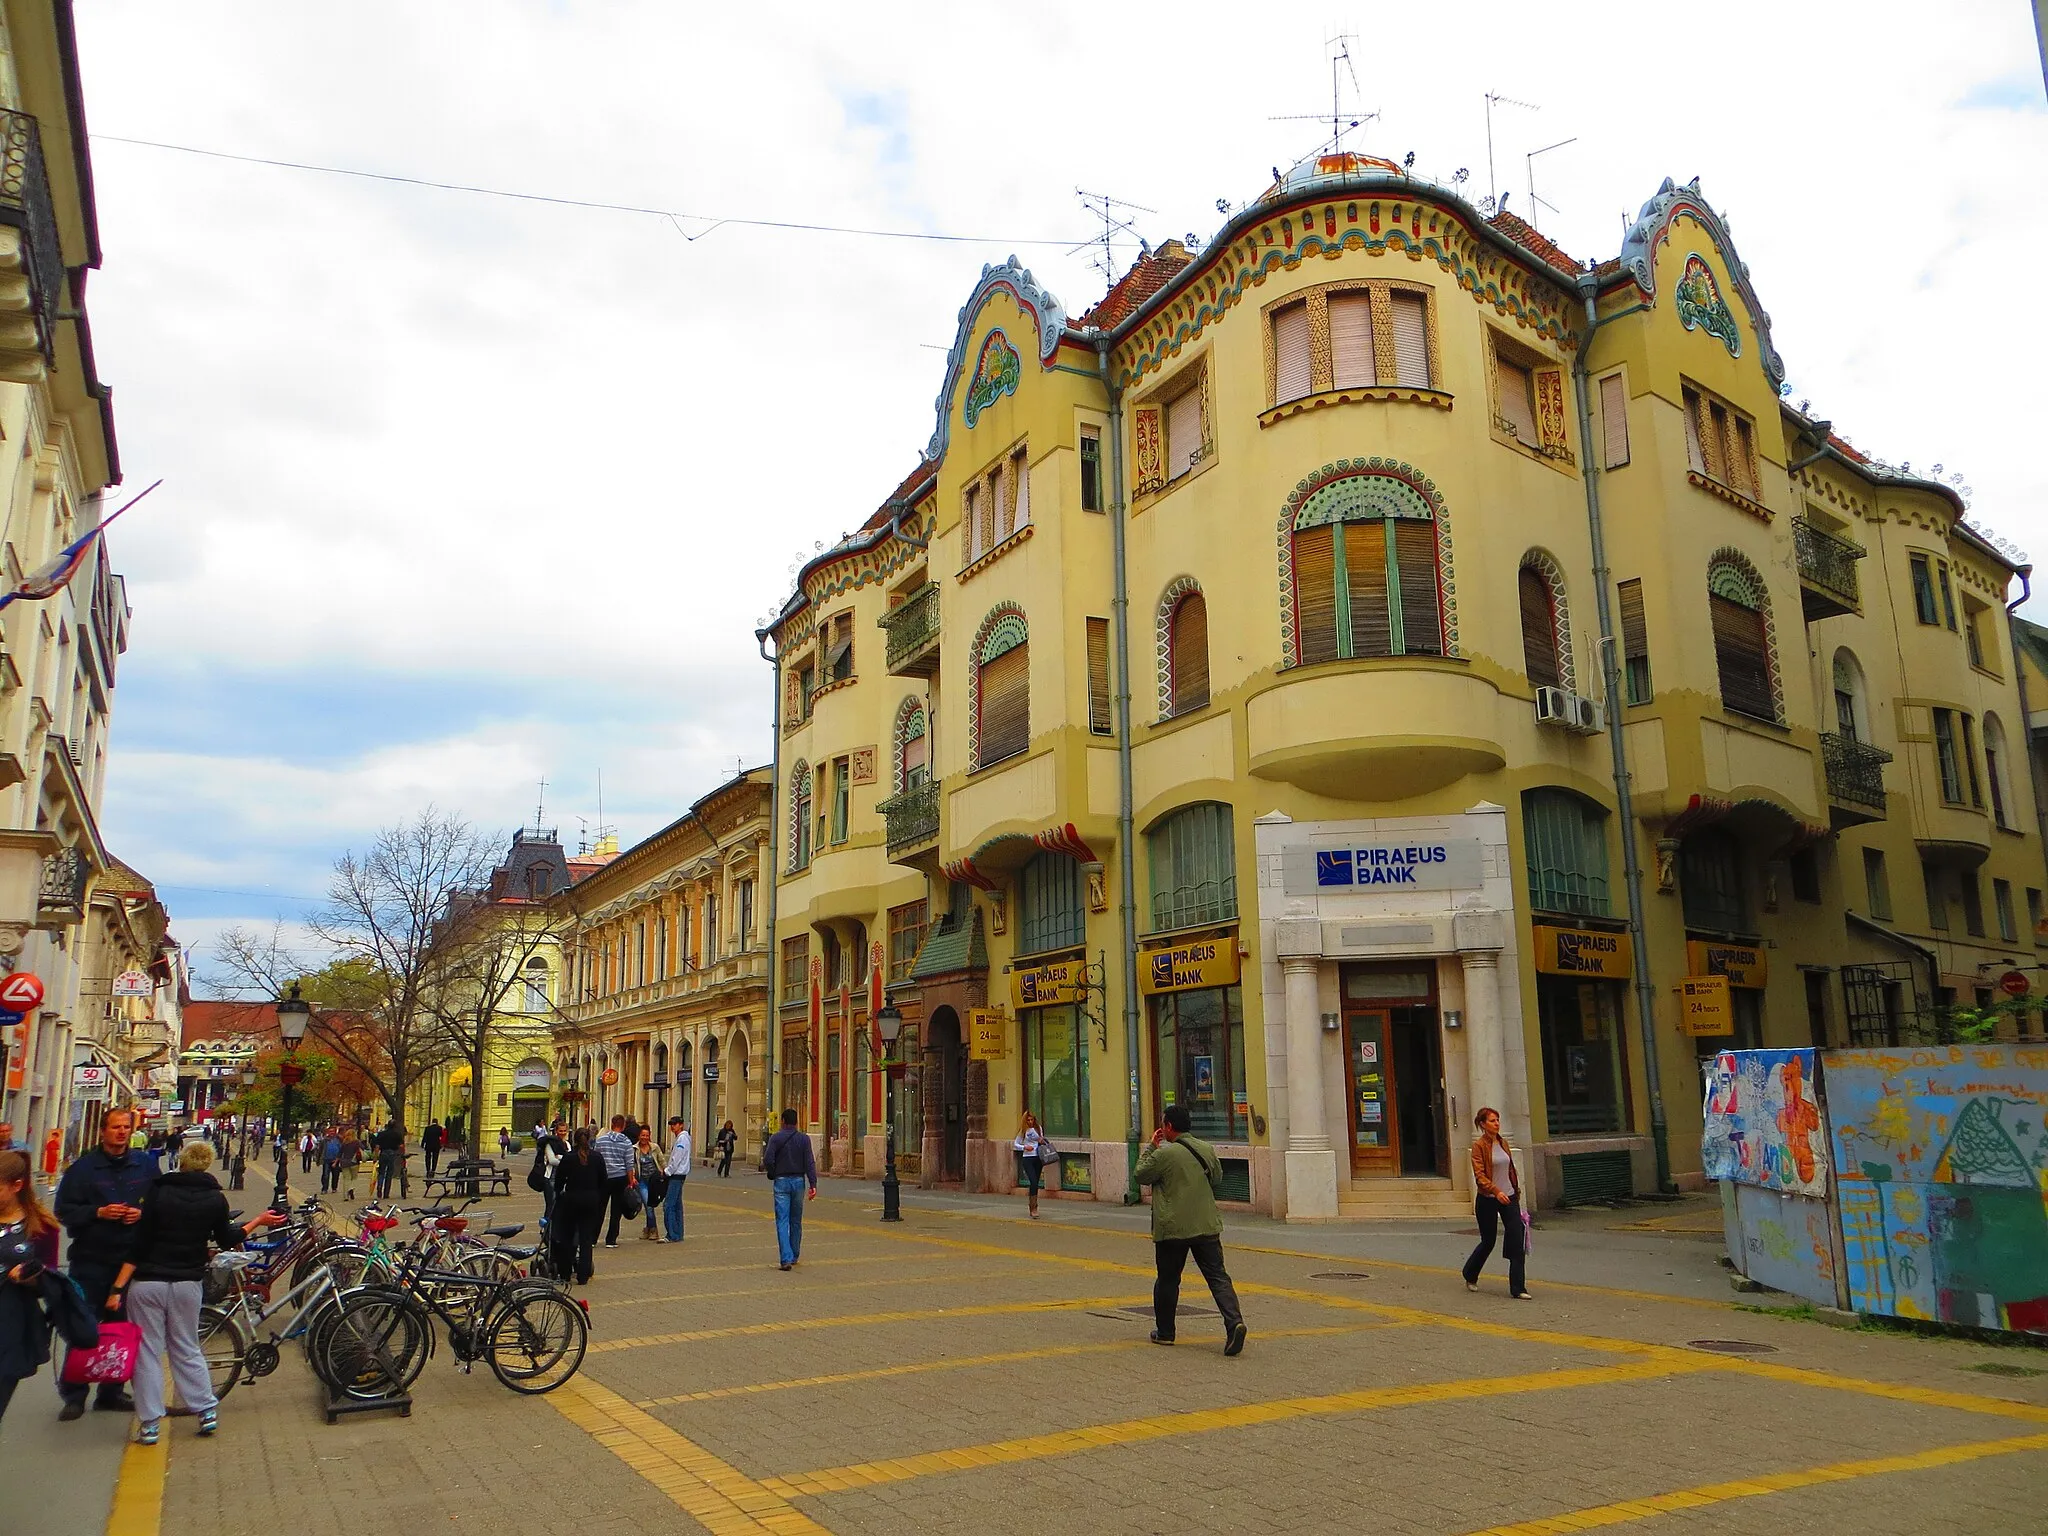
790 1165
678 1170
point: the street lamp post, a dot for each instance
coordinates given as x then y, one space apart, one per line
242 1149
293 1014
889 1024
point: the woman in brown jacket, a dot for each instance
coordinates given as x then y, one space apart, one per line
1498 1200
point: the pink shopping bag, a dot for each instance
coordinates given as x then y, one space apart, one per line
110 1360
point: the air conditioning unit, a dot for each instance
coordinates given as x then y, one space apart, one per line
1588 716
1554 707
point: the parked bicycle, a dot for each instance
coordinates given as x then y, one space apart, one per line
531 1335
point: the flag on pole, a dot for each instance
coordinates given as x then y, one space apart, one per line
55 576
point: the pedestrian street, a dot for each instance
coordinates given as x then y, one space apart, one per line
971 1370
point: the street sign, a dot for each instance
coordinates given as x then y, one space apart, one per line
608 1076
2015 984
90 1081
21 991
11 1016
133 984
1704 1007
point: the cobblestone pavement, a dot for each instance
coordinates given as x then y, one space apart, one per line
970 1370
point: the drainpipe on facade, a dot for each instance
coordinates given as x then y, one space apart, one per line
773 1022
1127 889
1610 678
2019 677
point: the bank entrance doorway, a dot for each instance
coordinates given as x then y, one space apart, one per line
1394 1063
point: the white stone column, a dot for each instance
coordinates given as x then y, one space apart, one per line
1480 936
1311 1161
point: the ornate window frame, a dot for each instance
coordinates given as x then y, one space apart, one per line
1321 363
1169 600
1003 623
911 709
1149 480
1733 575
800 791
1547 382
1546 565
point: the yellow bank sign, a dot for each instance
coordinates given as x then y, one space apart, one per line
988 1034
1704 1006
1048 985
1583 952
1187 965
1743 964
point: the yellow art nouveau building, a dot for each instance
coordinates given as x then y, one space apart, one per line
1369 668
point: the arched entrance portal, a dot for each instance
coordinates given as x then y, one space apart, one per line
945 1132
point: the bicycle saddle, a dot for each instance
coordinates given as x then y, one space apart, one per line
379 1223
517 1254
507 1231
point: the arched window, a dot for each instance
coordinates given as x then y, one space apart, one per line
1565 839
1710 882
800 818
1194 867
1050 910
1996 765
913 746
1852 697
1001 712
660 1058
1546 633
1183 649
1363 560
536 978
1742 637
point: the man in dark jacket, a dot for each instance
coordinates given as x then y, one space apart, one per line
790 1164
390 1157
99 1200
431 1143
1184 1174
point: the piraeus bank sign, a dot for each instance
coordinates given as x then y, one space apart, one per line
1381 862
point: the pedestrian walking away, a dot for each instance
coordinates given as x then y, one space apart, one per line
390 1144
1032 1149
616 1148
647 1165
330 1162
582 1190
1184 1174
28 1247
728 1140
676 1171
550 1146
160 1286
432 1140
1497 1203
791 1165
99 1201
309 1148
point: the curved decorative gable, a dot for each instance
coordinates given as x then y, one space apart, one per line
1653 229
1046 312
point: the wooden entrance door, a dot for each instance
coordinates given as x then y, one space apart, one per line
1369 1057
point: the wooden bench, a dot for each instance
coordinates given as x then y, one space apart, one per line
481 1177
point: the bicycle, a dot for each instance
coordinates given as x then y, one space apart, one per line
228 1333
531 1335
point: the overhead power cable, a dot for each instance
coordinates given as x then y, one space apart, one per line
675 216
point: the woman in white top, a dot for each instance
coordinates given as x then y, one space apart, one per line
1497 1201
1031 1147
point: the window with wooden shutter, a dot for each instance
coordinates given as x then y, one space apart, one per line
1099 720
1422 627
1184 431
1188 650
999 498
1695 445
1742 455
1315 593
1635 643
913 754
1515 387
1020 478
1351 355
1539 629
1004 705
1292 374
1365 571
839 652
970 526
1743 657
1411 340
1613 422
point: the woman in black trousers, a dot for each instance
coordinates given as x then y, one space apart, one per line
581 1190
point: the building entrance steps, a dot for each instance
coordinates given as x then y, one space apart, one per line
1401 1199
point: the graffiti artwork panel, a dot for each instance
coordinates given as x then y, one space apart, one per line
1763 1125
1941 1158
1786 1242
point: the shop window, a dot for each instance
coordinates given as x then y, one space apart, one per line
1366 573
1742 639
842 796
1613 422
1804 867
1995 771
1198 1060
796 962
1937 895
1194 867
1710 882
1720 441
1091 470
800 818
1099 722
1635 643
1002 689
907 925
1973 903
1947 756
2001 902
1877 886
1050 911
839 647
1564 837
1055 1049
1187 654
1540 648
1585 1086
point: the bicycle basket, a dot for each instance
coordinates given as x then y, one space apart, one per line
219 1283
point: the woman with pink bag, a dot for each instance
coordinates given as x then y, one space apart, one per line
159 1290
28 1248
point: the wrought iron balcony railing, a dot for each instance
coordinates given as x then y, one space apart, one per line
64 875
1827 562
1855 770
25 204
913 816
912 625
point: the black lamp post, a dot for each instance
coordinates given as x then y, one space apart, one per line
242 1149
293 1014
889 1024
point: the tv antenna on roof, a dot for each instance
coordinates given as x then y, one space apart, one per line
1340 121
1492 185
540 809
1529 159
1103 206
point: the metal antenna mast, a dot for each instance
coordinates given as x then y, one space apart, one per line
1492 185
1340 121
1530 164
1101 204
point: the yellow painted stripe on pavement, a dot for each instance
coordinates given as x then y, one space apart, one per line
1930 1397
967 1362
717 1495
806 1324
138 1508
767 1290
1097 1437
1649 1506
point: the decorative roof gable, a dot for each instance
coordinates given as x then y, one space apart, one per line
1653 229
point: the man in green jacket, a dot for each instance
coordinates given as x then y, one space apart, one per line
1184 1174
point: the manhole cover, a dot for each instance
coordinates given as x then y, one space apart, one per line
2000 1368
1341 1274
1731 1347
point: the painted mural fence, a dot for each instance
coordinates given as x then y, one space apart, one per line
1765 1139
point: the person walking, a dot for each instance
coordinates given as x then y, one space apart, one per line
348 1166
309 1148
99 1201
728 1141
1497 1202
550 1146
616 1148
53 1153
582 1191
432 1141
675 1171
390 1144
790 1164
1031 1147
647 1165
1184 1174
28 1246
330 1161
504 1142
160 1286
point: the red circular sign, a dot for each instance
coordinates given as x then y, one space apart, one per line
21 991
608 1075
2015 984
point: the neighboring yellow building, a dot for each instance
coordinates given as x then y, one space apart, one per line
667 1007
1256 656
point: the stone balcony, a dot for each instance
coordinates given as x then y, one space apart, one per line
1827 572
1855 773
31 259
913 630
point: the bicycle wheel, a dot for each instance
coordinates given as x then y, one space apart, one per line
489 1264
535 1341
223 1340
374 1343
348 1263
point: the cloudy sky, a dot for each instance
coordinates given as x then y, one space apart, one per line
464 491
